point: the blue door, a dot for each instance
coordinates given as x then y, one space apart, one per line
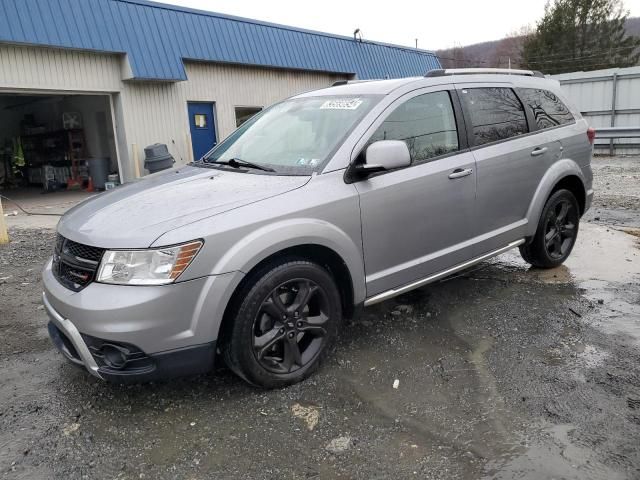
203 130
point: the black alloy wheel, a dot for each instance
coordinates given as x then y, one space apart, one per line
282 323
560 229
556 233
289 329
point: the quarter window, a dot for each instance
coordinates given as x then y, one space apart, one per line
547 109
426 123
496 114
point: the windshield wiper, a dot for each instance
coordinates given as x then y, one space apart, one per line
238 162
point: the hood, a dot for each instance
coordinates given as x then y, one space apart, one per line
134 215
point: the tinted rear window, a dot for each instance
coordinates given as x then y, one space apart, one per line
496 114
547 108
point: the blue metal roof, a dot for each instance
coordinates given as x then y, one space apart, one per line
157 37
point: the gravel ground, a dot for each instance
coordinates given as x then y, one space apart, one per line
616 181
501 372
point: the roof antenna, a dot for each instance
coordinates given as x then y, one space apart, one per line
357 35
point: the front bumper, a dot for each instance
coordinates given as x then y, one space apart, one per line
160 331
133 365
66 337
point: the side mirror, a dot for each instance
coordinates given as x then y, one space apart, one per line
379 157
388 154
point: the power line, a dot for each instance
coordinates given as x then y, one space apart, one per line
568 53
558 57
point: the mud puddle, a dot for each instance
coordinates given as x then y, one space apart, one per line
495 373
604 266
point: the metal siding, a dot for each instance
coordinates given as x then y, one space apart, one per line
154 38
5 26
226 86
593 92
150 112
15 31
55 69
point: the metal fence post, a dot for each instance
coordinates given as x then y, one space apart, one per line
614 94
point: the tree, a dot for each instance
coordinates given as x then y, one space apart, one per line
455 57
508 51
576 35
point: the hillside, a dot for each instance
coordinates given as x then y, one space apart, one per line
496 53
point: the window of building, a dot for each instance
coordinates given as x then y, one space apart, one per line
548 110
426 123
496 114
200 120
245 113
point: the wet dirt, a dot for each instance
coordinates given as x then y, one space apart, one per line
502 371
616 181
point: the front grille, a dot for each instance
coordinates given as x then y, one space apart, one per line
75 264
84 252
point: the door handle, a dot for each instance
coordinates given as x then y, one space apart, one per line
539 151
459 173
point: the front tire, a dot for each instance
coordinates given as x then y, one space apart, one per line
556 233
285 322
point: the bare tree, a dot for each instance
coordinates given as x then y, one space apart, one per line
455 57
509 50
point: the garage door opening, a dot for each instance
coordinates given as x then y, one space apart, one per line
56 143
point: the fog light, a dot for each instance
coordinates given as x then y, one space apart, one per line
114 356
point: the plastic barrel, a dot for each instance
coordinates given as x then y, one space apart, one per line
99 171
157 157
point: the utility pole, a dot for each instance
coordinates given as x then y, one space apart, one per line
416 43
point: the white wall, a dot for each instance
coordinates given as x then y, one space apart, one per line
157 112
592 93
150 112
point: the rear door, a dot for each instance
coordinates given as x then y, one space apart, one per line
416 221
548 114
510 162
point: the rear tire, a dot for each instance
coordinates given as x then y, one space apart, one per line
284 324
556 233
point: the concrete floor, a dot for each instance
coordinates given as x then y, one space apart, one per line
33 200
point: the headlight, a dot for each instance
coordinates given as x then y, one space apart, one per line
154 266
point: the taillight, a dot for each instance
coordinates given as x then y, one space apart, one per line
591 134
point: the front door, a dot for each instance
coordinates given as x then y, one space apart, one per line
203 130
418 220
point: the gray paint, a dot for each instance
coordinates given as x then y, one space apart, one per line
394 231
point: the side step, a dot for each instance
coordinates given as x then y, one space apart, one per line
381 297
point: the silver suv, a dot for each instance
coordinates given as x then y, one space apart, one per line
320 204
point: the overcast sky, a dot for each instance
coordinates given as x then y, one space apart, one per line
436 24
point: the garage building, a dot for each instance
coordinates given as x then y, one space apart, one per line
88 84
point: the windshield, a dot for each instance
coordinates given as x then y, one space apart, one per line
295 137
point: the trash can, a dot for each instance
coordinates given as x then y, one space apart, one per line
99 171
157 157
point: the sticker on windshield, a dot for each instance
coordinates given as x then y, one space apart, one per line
341 104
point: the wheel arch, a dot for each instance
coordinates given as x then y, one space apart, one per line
321 255
563 174
308 239
574 184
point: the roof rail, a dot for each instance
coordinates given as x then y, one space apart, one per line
350 82
473 71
